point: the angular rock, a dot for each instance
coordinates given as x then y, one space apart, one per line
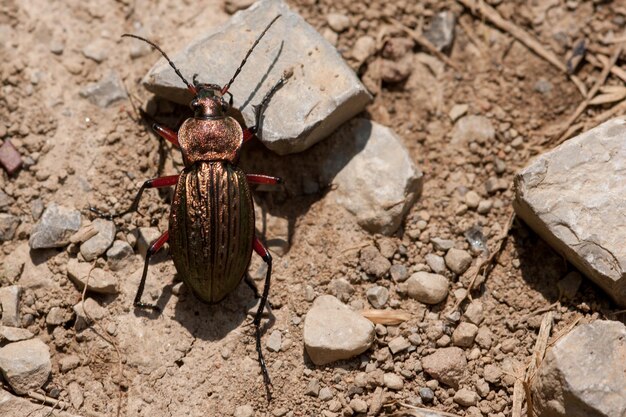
56 226
99 243
305 110
106 91
333 332
398 344
376 179
584 373
373 262
14 334
57 316
393 381
399 272
464 334
427 288
145 237
446 365
274 341
436 263
8 226
441 30
118 254
10 158
377 296
474 312
25 365
472 129
10 302
573 197
100 281
86 312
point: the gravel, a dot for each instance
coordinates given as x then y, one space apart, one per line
56 226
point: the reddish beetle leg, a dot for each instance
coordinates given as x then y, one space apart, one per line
154 248
263 179
166 133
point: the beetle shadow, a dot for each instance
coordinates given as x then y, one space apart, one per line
266 74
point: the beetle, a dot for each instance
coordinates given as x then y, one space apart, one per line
211 226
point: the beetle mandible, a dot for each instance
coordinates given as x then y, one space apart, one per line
211 226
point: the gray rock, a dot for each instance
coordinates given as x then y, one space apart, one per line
274 341
10 302
373 262
442 244
376 179
99 243
106 91
305 110
14 334
492 373
399 272
436 263
118 254
25 365
100 281
56 226
543 86
393 381
484 337
313 388
446 365
398 344
326 394
441 30
86 312
465 397
8 226
573 198
584 373
474 312
426 394
472 129
5 200
428 288
464 334
13 406
57 316
458 260
341 288
495 184
333 332
67 363
377 296
145 237
96 50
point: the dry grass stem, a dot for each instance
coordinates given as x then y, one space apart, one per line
386 317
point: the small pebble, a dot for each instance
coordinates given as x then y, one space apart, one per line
436 263
464 334
338 22
393 381
399 272
428 288
358 405
244 411
377 296
325 394
492 373
313 388
274 341
364 47
398 344
465 397
458 260
442 244
426 394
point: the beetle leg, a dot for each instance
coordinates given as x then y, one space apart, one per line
265 254
154 248
153 183
260 108
263 179
167 134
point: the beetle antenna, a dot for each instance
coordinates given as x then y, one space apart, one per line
155 46
256 42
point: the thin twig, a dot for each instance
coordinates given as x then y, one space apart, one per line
424 43
45 400
601 61
533 44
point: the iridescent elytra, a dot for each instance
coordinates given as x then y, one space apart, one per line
211 226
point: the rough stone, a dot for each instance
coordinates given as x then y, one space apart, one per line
464 334
465 397
474 312
568 286
100 281
484 337
333 332
426 394
99 243
57 316
584 373
398 344
573 198
441 30
10 158
313 388
446 365
118 254
13 406
56 226
458 260
399 272
373 263
25 365
341 288
377 296
93 311
8 226
232 6
145 237
363 48
376 179
10 302
67 363
96 50
326 394
393 381
492 373
305 110
14 334
442 244
274 341
427 288
358 405
338 22
436 263
472 129
245 410
106 91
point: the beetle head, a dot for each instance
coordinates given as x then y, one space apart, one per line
209 101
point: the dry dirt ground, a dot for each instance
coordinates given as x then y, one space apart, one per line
200 360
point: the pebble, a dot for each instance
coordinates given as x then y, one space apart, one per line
482 388
583 370
10 158
495 184
492 373
393 381
377 296
325 394
118 254
543 86
280 412
464 334
332 331
568 286
313 388
341 288
232 6
472 199
394 72
373 262
94 310
398 344
466 397
363 48
457 111
57 316
399 272
442 244
145 237
106 91
274 341
36 208
14 334
509 345
10 302
446 365
428 288
484 206
458 260
441 30
473 128
8 226
96 51
25 365
99 243
338 22
358 405
484 337
387 247
98 280
56 47
69 362
435 263
426 394
55 228
397 48
474 312
244 411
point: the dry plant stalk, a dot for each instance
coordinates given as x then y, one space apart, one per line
386 317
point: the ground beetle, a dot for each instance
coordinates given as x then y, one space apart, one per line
211 228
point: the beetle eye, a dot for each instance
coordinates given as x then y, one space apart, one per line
195 105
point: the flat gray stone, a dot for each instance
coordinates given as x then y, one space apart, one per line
56 226
573 197
14 334
333 332
98 244
322 93
118 255
10 302
106 91
584 374
25 365
100 281
8 226
380 182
